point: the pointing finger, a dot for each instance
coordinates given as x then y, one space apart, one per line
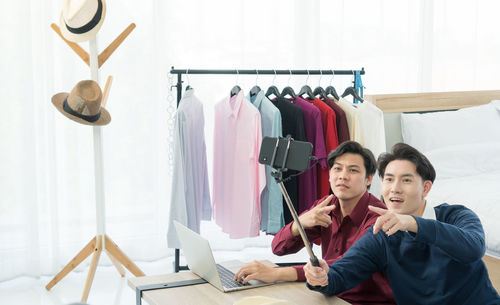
326 201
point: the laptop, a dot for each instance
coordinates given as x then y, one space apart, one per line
201 261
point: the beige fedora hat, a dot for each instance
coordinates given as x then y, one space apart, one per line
81 19
83 104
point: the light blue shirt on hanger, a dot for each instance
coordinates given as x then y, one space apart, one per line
271 198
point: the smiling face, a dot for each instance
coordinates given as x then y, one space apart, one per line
348 177
403 189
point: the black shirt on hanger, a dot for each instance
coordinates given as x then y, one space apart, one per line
292 124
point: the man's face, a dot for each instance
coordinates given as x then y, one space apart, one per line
348 177
403 189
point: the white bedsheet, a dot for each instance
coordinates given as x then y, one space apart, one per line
480 193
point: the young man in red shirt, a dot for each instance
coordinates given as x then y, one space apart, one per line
336 222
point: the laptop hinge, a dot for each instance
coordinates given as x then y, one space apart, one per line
140 289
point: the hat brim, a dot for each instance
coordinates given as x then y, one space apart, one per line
84 36
58 101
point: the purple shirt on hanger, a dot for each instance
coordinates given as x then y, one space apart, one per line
308 189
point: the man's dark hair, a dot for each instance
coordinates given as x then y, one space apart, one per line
354 148
402 151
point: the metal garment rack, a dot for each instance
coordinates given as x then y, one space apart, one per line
181 72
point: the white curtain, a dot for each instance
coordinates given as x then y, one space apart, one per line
47 209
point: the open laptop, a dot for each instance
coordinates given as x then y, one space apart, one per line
201 261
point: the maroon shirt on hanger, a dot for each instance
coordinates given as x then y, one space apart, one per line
335 241
342 128
308 187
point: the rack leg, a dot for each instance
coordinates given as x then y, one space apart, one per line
80 257
117 253
92 269
117 264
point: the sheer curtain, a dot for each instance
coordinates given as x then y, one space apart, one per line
47 210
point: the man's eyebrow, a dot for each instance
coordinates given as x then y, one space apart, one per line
404 175
349 166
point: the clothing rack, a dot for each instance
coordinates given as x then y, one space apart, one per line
181 72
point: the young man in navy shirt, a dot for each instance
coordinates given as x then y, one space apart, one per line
430 255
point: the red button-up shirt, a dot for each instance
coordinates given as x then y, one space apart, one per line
331 142
335 241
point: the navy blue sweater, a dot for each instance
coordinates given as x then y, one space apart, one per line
441 264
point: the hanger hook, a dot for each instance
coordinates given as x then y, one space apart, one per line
187 76
274 78
289 77
257 78
307 79
333 74
321 76
237 76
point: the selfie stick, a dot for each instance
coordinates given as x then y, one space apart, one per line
278 176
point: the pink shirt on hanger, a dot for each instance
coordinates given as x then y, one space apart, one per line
238 177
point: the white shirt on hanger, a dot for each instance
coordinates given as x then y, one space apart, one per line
190 195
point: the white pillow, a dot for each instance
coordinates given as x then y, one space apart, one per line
465 160
428 131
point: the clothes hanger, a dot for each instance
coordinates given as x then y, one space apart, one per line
187 77
236 89
288 90
330 90
255 89
273 90
319 91
352 91
306 89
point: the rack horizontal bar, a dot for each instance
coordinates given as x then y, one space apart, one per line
264 72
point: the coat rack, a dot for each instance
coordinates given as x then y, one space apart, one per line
101 241
178 86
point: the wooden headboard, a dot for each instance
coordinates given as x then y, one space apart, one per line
432 101
394 104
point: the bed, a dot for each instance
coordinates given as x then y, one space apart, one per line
460 134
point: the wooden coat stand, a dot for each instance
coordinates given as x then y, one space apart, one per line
101 241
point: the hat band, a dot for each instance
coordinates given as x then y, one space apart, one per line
92 23
88 118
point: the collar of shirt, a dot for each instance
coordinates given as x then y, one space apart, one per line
429 212
233 104
256 100
358 213
189 94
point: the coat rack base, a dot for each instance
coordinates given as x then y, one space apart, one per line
95 247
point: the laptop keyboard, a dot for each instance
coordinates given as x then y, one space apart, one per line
227 278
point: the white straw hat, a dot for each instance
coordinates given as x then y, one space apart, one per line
81 19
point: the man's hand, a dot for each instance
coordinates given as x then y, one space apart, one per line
317 276
317 216
257 271
391 222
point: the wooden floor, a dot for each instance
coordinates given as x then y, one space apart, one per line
493 265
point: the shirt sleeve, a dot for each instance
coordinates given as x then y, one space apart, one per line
178 199
363 259
460 233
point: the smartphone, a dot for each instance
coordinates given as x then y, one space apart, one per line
297 156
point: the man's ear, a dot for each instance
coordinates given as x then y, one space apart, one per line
427 188
369 180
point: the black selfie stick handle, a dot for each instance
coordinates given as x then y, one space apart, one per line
314 261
